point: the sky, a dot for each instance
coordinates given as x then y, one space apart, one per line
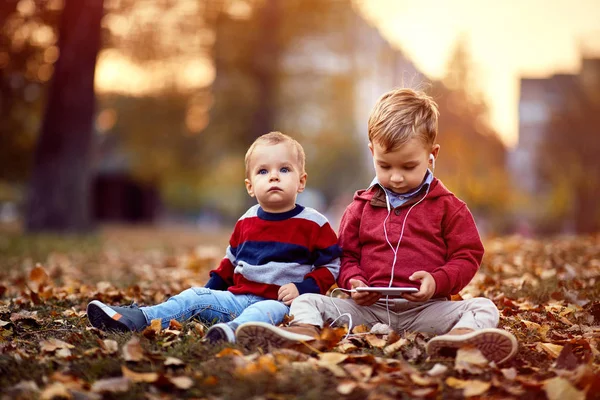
507 39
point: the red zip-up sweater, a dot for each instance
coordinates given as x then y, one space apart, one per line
440 237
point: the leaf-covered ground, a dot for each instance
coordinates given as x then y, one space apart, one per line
548 292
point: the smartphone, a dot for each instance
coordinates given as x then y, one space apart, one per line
388 291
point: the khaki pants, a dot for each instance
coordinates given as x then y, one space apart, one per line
436 316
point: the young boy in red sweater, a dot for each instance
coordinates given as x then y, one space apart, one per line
405 230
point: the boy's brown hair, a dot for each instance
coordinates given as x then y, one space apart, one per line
402 114
273 138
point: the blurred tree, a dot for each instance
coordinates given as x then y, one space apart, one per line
473 158
59 194
28 33
569 163
283 66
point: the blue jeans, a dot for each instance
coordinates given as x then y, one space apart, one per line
212 306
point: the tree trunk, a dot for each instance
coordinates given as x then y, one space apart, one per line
59 198
266 69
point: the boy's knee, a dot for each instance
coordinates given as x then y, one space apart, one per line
481 303
307 299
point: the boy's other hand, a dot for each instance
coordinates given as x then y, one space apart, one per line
287 293
363 298
427 288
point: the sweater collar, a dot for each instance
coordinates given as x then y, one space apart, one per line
269 216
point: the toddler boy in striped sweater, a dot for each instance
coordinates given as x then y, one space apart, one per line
277 251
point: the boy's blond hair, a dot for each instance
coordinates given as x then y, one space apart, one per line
273 138
401 114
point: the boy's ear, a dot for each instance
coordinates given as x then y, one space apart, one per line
371 148
302 184
435 150
249 187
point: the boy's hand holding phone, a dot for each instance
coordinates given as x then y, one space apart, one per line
427 288
363 298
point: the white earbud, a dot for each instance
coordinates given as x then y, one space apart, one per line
432 159
387 202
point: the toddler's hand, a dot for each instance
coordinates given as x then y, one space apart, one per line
287 293
427 288
363 298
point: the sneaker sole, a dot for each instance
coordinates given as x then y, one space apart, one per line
103 317
495 344
253 335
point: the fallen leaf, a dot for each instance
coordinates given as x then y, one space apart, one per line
153 329
182 382
509 373
111 385
27 317
132 350
469 359
470 387
553 350
560 389
375 341
346 387
175 325
110 346
51 345
148 377
38 277
55 390
476 388
437 369
172 361
228 351
346 346
331 361
422 380
394 347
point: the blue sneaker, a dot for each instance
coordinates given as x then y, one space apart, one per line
116 318
220 333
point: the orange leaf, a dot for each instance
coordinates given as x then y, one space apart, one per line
153 329
228 351
38 277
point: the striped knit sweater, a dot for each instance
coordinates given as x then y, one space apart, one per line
268 250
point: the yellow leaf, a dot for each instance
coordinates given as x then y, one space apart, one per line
422 380
137 377
559 388
110 346
56 391
375 341
182 382
394 347
476 388
346 387
553 350
331 358
470 359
